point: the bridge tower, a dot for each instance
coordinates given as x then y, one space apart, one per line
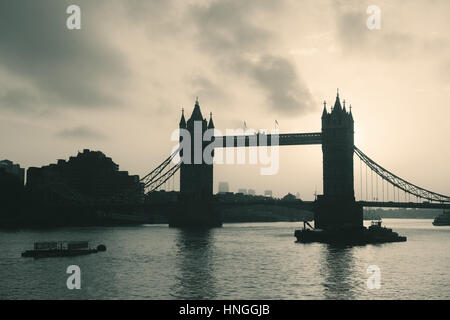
196 176
337 207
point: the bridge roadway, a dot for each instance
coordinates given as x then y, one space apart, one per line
261 139
309 205
296 204
417 205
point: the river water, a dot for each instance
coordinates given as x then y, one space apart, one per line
238 261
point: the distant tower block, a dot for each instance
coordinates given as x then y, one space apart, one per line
242 190
224 187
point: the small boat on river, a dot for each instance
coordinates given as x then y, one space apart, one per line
61 249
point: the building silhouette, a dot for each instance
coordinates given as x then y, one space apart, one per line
11 189
9 167
89 178
224 187
242 190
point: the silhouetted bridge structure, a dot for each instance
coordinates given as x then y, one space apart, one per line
337 205
309 205
414 205
261 139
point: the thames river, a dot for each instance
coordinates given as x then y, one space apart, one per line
238 261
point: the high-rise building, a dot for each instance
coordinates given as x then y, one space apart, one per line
224 187
251 192
243 191
268 193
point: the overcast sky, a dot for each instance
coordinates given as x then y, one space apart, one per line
118 84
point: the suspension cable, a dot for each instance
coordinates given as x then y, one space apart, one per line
400 183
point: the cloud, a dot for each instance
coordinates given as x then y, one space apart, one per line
401 39
80 132
66 67
239 45
355 37
81 69
204 87
277 77
225 27
17 100
399 36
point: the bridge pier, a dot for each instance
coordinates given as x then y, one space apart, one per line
193 214
334 214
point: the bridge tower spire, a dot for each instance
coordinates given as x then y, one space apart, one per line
210 123
337 103
182 120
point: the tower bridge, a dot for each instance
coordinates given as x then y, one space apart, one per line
336 207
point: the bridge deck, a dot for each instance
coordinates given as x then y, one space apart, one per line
295 204
284 139
418 205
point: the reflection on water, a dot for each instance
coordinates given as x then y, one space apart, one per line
338 271
195 273
238 261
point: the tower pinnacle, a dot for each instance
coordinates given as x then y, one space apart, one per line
182 120
324 113
337 104
211 123
196 113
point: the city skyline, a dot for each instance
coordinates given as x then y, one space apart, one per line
130 70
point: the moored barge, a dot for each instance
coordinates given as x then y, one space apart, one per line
357 236
61 249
